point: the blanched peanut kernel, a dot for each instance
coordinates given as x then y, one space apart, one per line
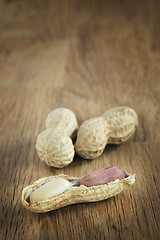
50 189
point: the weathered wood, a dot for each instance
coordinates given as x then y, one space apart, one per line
88 56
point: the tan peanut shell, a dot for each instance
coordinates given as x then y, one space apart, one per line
121 124
115 126
55 148
76 194
63 119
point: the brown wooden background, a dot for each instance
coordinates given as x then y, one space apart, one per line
88 56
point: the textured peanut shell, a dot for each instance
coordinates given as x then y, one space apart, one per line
55 148
121 124
115 126
63 119
76 194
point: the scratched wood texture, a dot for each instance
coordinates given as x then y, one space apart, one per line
88 56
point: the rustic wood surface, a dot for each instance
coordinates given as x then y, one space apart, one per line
88 56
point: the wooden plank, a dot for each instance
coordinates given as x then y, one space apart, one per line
88 57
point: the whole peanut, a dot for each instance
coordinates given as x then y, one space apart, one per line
54 145
114 126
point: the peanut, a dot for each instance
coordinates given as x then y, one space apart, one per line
50 193
114 126
54 145
102 176
50 189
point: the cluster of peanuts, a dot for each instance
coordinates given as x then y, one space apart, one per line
55 144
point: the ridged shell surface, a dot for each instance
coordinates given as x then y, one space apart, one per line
122 122
63 119
55 148
115 126
75 194
91 138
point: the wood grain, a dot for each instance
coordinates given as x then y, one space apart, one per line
88 56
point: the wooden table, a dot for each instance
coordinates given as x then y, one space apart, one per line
88 56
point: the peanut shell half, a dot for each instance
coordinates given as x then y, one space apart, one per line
76 194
